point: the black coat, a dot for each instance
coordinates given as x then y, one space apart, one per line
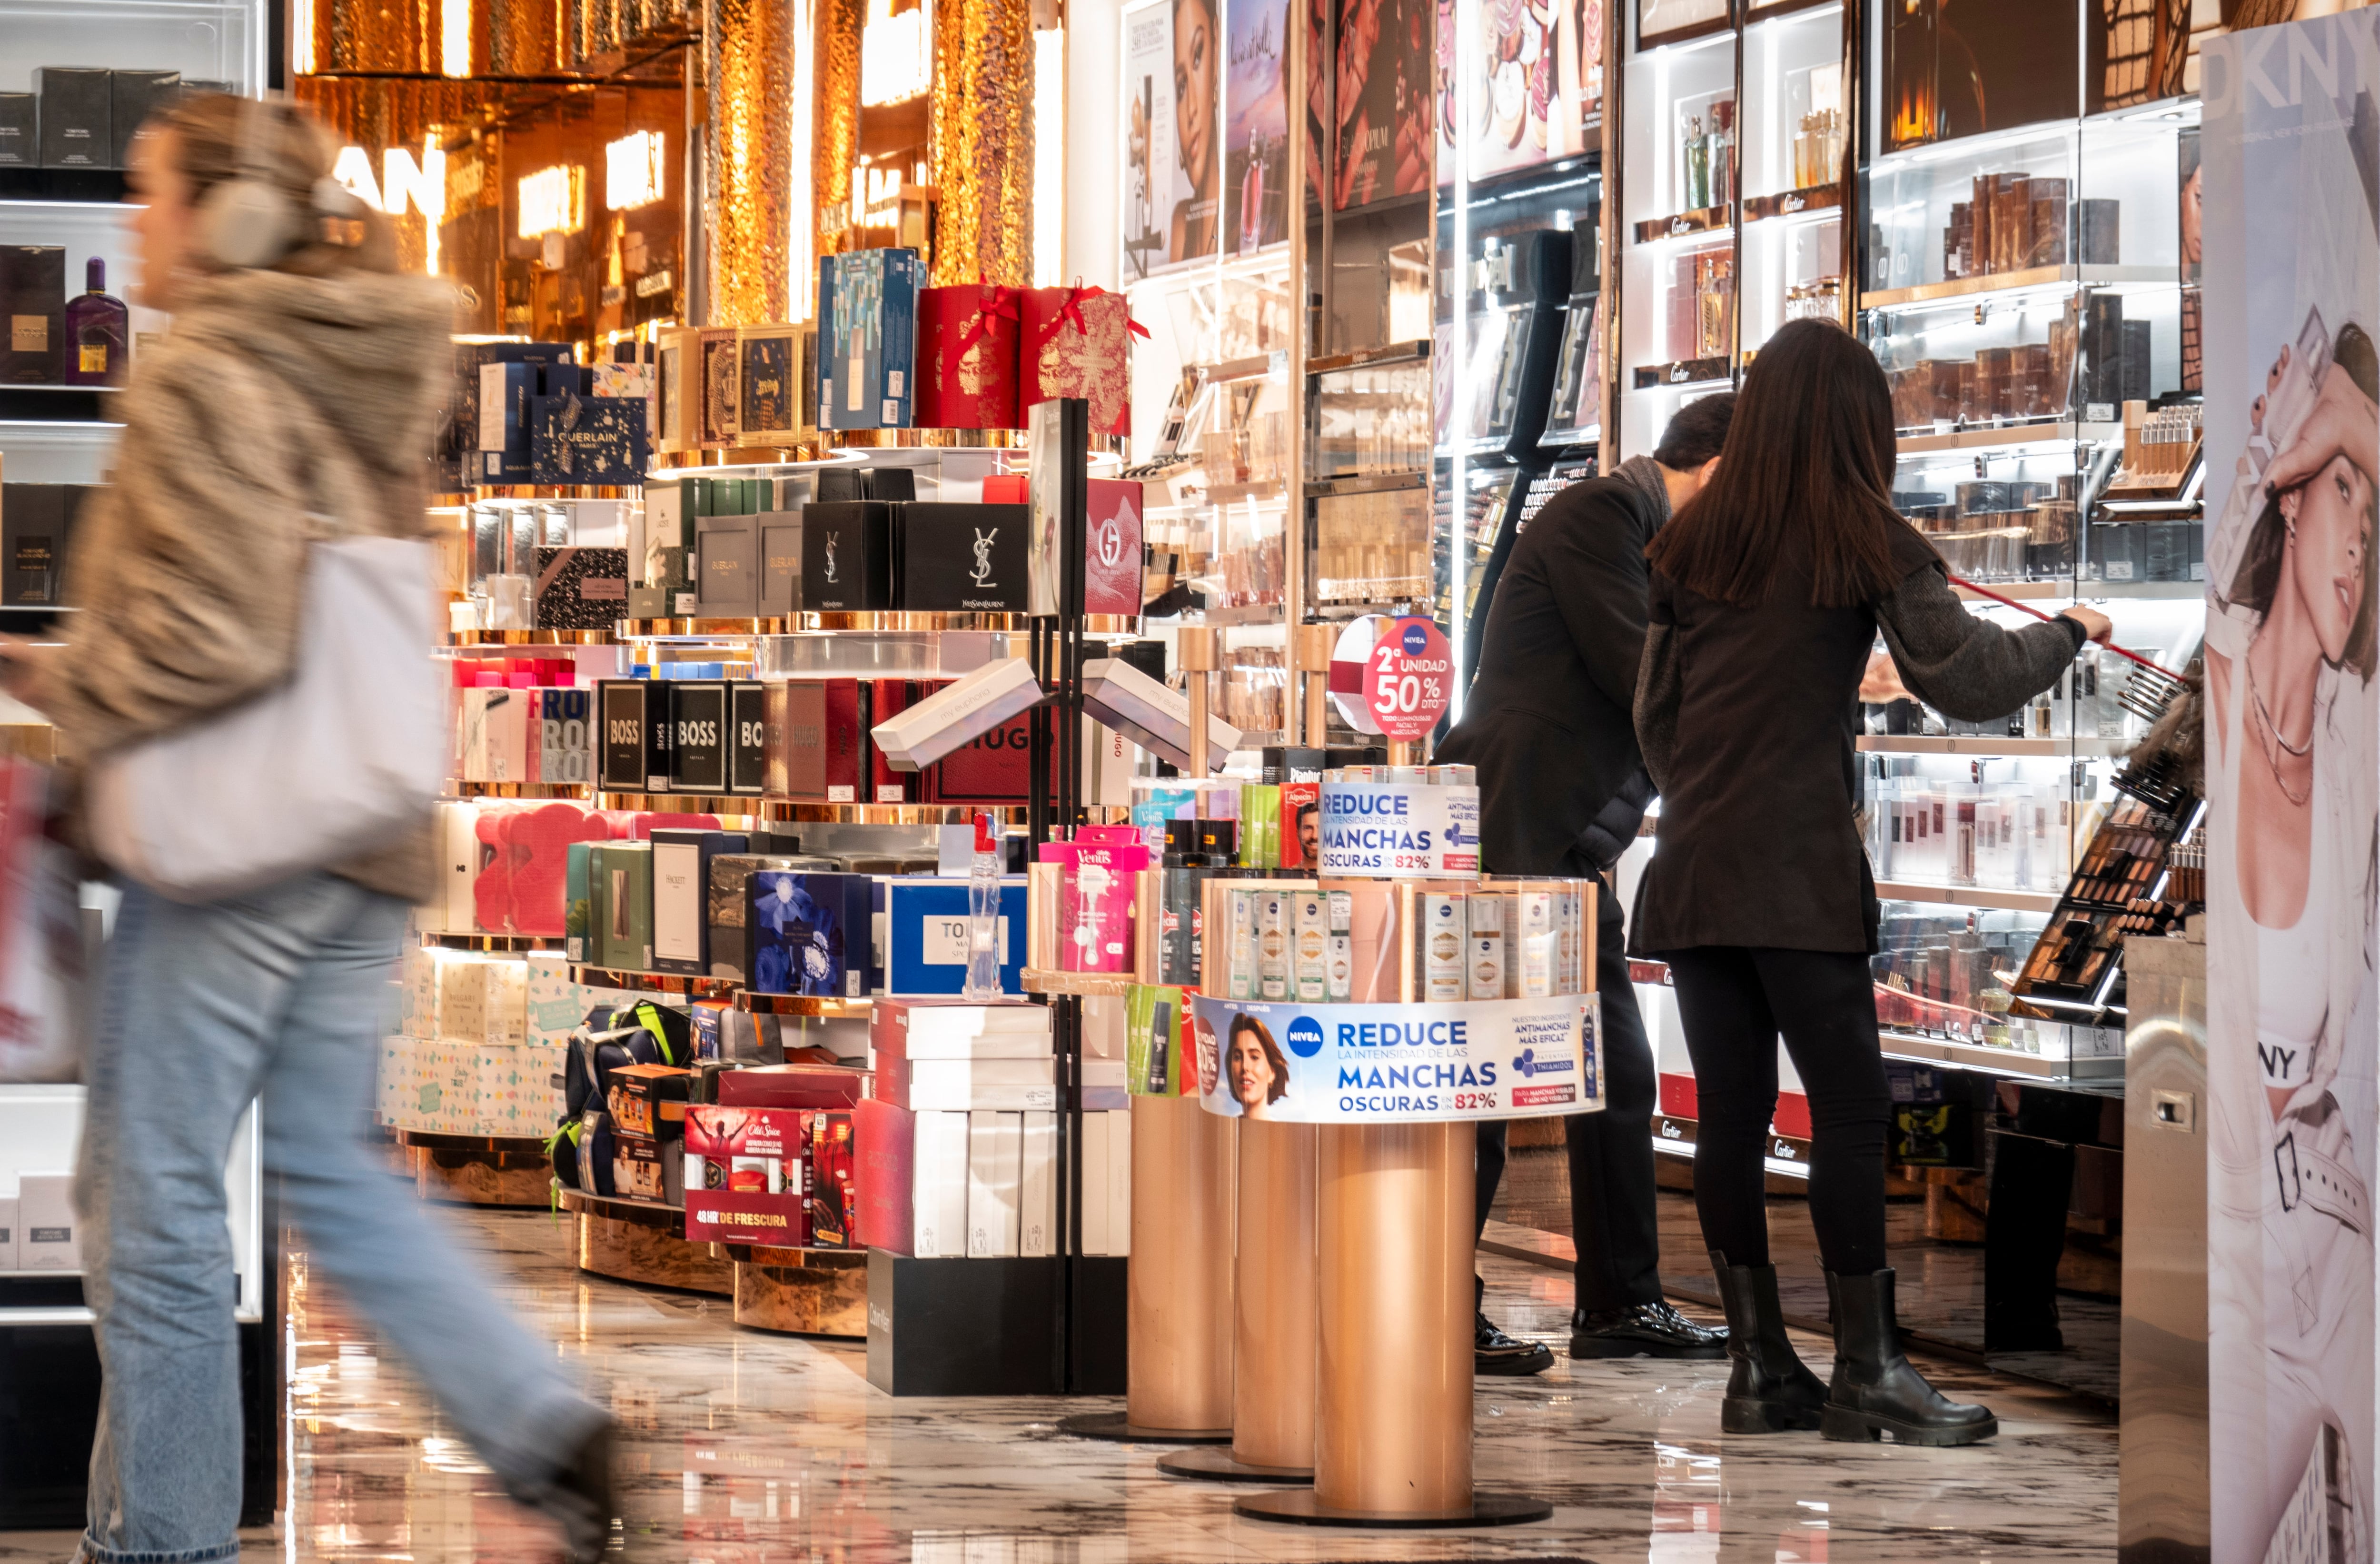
1549 721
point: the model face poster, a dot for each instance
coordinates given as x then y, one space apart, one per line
1384 92
2292 270
1255 125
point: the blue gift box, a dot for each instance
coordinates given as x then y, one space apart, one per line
806 933
576 439
868 338
924 934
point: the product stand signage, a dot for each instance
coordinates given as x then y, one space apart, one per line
1398 1064
1409 679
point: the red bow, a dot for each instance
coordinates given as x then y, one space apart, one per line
1004 304
1071 311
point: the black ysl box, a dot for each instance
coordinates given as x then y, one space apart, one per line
847 556
960 559
698 742
77 123
635 714
727 572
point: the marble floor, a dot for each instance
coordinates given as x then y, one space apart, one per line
744 1447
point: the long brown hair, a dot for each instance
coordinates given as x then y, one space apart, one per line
295 151
1805 479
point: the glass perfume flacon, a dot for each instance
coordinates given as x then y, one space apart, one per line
97 333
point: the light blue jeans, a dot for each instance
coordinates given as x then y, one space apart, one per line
205 1008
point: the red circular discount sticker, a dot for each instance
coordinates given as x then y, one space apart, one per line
1408 678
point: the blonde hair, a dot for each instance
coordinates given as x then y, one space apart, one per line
293 151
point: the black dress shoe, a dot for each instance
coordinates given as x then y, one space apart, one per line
579 1496
1648 1330
1495 1352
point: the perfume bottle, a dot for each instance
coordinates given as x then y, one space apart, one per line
96 333
1697 167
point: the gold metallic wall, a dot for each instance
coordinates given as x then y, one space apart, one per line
834 136
980 128
748 60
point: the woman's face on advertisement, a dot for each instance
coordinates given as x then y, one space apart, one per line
1359 31
2330 520
2194 244
1251 1072
1194 89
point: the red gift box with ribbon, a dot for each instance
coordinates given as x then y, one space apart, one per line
1078 342
969 360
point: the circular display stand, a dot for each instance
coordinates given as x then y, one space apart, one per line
491 1170
1117 1427
1212 1465
1303 1508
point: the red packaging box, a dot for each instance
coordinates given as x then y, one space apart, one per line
791 1086
884 1136
647 1099
991 768
812 737
1007 488
833 1191
1112 574
968 358
888 698
1078 343
746 1173
1301 839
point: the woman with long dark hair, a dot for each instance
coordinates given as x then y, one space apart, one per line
1768 591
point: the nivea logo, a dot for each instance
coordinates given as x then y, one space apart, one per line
1304 1037
1416 639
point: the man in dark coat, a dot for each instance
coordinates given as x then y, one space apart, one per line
1563 790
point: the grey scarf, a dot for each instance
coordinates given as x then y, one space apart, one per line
1644 474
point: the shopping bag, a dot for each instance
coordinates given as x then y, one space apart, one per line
44 996
339 759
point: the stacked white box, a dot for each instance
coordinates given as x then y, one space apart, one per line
939 1194
51 1237
995 1183
8 1224
398 1077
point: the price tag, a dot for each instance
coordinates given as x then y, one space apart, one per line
1408 678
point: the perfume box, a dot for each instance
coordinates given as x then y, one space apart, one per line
669 518
576 439
32 544
780 549
1150 714
981 703
847 556
581 587
21 141
578 927
1111 568
867 324
682 897
715 366
622 873
77 130
1077 342
994 767
698 739
495 735
677 401
135 95
727 570
470 357
729 875
806 934
796 743
926 935
767 374
968 360
960 558
885 700
748 736
48 1238
635 753
33 298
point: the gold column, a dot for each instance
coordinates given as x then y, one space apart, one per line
834 145
1393 1218
1179 1280
522 37
980 140
748 61
1272 1400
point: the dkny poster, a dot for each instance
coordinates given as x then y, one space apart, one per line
2292 275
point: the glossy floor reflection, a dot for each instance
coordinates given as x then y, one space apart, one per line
749 1449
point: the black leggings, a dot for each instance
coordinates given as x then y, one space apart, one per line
1734 1003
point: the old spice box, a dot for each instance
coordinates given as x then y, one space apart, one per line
968 357
746 1175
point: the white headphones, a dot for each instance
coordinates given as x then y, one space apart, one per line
246 221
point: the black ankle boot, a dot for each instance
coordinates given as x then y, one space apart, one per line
1875 1391
1769 1390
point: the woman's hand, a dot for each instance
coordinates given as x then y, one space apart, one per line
2343 421
2095 625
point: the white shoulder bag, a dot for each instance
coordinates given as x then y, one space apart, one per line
341 758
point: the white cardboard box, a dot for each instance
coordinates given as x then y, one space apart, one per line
1150 714
995 1183
957 714
51 1237
939 1194
9 1228
1036 1229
